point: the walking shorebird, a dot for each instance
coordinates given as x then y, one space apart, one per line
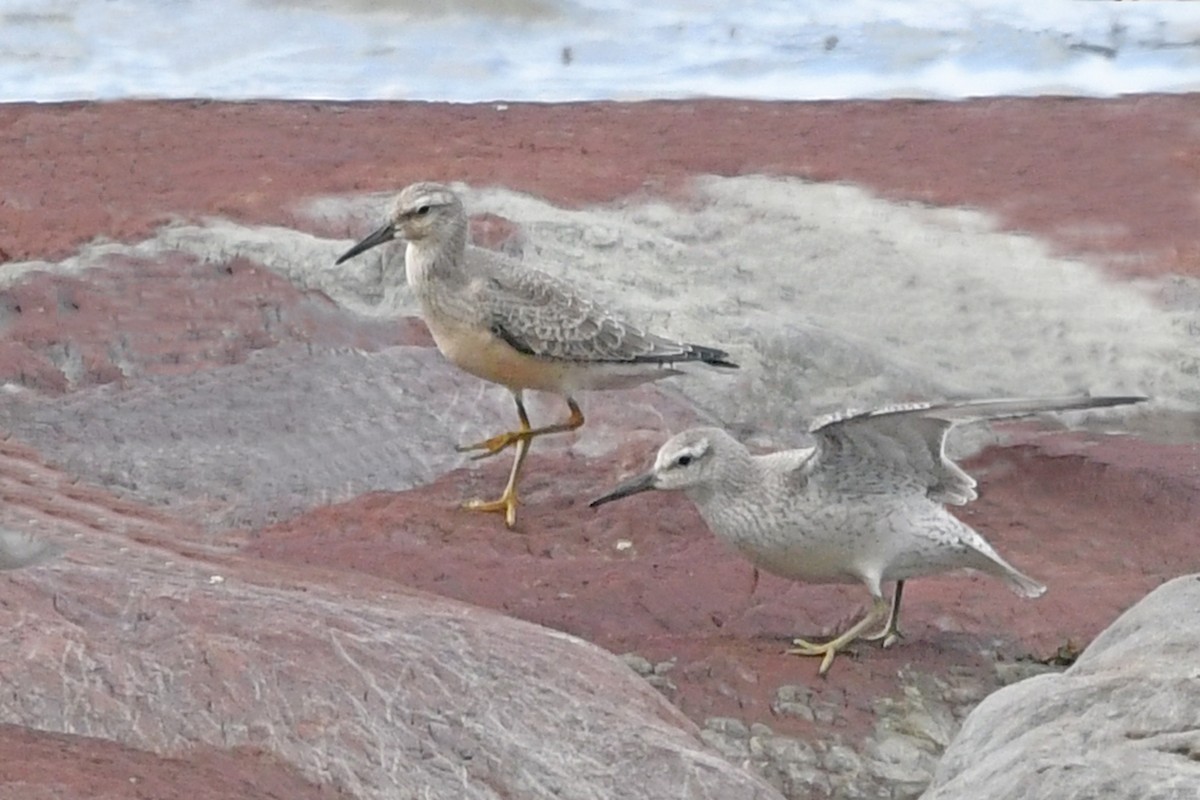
864 505
517 327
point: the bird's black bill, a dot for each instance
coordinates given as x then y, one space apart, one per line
378 237
641 483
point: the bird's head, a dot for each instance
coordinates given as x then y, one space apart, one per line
421 211
688 460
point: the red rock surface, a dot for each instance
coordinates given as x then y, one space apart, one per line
62 767
1109 177
168 315
1101 522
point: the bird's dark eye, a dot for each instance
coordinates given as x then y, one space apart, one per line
683 460
422 211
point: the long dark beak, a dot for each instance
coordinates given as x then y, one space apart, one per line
642 483
383 234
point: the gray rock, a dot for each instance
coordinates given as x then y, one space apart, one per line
912 732
794 700
638 664
655 674
728 736
788 763
295 427
1123 722
896 761
728 726
1009 672
373 691
842 759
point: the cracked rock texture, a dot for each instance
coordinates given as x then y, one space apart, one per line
1122 722
375 691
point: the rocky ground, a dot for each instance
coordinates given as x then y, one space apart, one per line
1120 723
250 453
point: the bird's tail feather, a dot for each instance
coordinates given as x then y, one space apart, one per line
711 355
1023 584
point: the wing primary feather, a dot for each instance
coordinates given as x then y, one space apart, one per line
512 341
689 352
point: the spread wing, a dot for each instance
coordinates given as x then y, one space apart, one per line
542 316
889 448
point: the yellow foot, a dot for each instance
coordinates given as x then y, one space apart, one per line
827 650
803 647
494 445
887 637
507 504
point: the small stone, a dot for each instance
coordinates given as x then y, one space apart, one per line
839 758
802 780
1009 672
663 667
965 695
662 684
732 747
759 729
638 664
794 701
898 759
781 750
728 726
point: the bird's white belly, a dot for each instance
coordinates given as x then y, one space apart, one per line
826 543
829 563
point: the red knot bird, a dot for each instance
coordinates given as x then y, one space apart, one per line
517 327
865 505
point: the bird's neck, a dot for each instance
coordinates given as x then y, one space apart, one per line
728 501
433 259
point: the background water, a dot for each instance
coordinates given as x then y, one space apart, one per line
554 50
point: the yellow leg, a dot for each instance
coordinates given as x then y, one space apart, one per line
890 633
507 502
522 438
831 648
524 433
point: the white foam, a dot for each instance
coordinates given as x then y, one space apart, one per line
553 50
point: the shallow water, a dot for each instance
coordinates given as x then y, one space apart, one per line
553 50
